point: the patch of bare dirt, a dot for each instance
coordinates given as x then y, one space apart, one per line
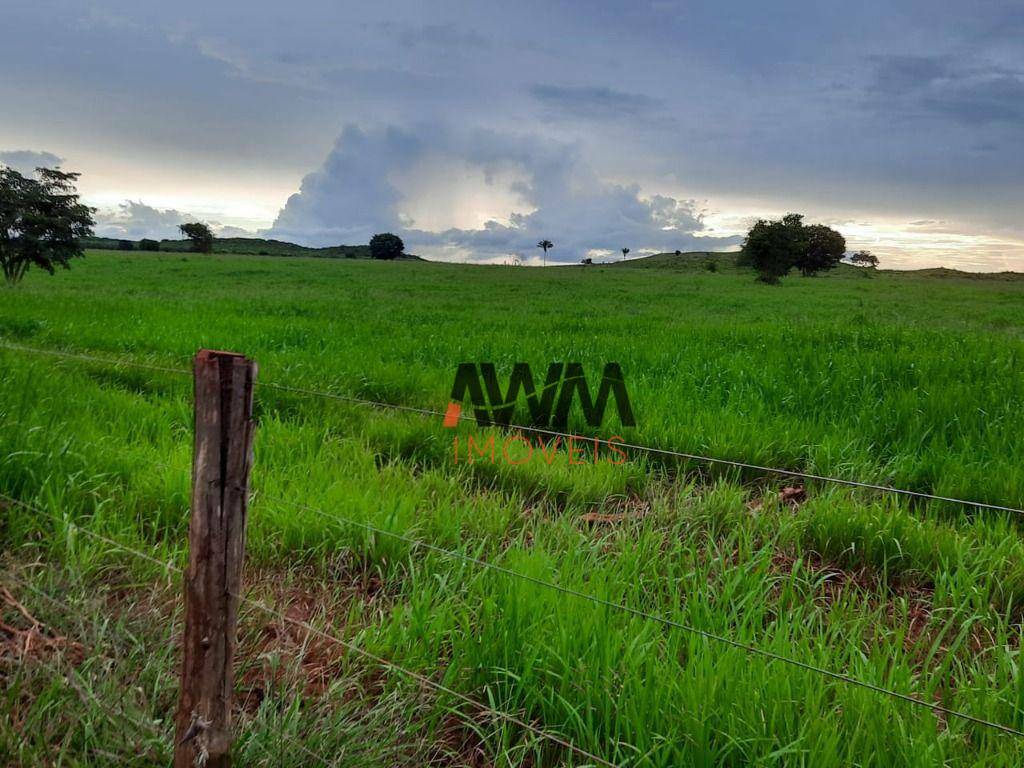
617 510
791 495
907 605
25 637
275 651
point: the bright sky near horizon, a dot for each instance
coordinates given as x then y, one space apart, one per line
474 129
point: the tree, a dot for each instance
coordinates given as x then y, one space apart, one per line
822 248
545 244
772 247
200 235
386 246
678 252
625 252
41 221
864 259
587 262
125 245
145 244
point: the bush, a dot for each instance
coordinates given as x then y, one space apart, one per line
145 244
386 246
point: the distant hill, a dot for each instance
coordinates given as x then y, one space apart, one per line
256 246
728 261
683 262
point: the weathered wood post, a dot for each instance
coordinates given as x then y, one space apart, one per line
221 462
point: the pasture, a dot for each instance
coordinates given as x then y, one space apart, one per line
903 379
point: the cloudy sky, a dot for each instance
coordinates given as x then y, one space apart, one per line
476 128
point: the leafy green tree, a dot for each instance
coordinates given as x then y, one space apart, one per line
545 244
200 235
41 221
864 259
145 244
772 247
821 248
125 245
386 246
625 253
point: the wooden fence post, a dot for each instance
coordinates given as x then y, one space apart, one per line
216 547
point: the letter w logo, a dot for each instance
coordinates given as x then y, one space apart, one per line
490 406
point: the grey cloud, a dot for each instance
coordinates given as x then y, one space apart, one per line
352 196
975 94
448 36
910 109
591 101
133 220
26 161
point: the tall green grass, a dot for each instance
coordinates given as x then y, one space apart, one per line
903 380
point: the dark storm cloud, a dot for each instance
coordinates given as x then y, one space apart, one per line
912 109
941 86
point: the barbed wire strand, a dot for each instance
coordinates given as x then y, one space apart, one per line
149 726
751 649
619 606
515 720
418 543
452 554
667 452
660 451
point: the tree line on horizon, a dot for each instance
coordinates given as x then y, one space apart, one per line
43 222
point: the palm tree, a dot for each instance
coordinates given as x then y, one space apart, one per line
625 251
545 244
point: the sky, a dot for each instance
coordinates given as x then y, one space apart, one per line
475 129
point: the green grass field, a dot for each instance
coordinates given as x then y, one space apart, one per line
906 379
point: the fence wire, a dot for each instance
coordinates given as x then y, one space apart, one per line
417 543
636 447
623 607
390 665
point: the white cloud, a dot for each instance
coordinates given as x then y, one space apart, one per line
354 194
133 220
25 161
